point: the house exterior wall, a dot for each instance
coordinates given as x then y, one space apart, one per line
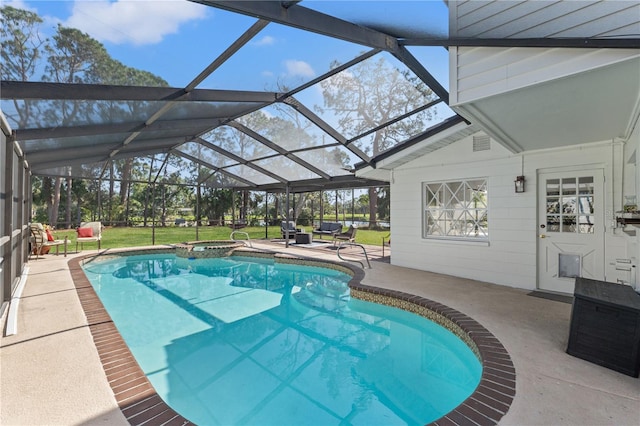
631 188
510 256
477 72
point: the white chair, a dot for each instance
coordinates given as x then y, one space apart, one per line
40 240
88 232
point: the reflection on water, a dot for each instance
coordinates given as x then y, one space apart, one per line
246 341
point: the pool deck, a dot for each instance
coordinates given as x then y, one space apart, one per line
50 372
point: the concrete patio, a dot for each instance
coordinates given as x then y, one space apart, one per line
50 372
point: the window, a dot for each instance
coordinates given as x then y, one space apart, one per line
570 205
456 210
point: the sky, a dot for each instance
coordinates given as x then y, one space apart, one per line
176 39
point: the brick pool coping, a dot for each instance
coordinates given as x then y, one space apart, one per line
140 403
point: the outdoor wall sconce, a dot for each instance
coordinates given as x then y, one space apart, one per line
519 182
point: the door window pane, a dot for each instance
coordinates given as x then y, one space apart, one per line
585 226
570 205
553 223
553 187
586 205
553 205
568 186
585 185
569 223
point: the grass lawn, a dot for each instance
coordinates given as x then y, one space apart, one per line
139 236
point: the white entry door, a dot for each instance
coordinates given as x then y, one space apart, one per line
570 228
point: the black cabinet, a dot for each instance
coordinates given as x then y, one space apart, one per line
605 325
303 238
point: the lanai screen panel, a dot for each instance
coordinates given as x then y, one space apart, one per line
249 174
205 154
146 147
167 133
98 142
398 132
219 179
287 128
149 168
238 143
197 110
178 170
45 113
88 171
335 161
284 58
287 168
372 94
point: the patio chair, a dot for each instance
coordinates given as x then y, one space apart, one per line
42 240
289 226
349 235
328 228
88 232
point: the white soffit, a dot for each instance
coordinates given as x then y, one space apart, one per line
596 105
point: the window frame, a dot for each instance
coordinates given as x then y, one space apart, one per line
461 209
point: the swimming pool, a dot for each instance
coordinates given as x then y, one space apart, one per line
250 341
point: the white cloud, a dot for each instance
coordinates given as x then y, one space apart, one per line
18 4
265 41
138 22
299 68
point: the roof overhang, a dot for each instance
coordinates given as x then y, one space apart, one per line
443 135
591 106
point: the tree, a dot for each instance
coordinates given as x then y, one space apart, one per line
22 49
215 203
70 56
384 202
21 43
75 57
370 94
114 72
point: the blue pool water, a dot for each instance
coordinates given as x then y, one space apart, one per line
235 341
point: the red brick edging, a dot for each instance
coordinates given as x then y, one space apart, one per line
135 395
497 388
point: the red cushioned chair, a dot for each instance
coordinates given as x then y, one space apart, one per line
88 232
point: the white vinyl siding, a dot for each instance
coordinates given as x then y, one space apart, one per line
509 256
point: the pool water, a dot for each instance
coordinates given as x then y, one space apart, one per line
239 340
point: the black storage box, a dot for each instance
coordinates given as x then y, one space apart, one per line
605 325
